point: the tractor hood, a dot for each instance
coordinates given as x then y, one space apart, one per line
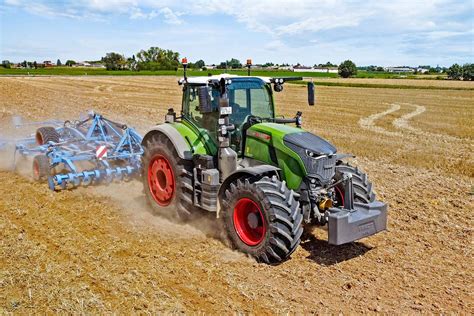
312 143
293 137
296 152
296 137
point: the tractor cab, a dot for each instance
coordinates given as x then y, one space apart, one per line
248 100
247 97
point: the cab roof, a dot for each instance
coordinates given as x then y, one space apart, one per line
206 79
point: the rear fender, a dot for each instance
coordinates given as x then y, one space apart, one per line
179 142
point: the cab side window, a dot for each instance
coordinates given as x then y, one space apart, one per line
207 121
192 100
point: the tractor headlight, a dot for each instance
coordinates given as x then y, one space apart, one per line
312 154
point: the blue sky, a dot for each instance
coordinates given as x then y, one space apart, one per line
398 32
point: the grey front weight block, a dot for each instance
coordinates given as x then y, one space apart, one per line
345 226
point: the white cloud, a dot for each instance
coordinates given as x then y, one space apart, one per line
170 16
280 29
137 14
276 17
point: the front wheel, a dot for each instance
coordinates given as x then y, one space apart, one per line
363 189
262 219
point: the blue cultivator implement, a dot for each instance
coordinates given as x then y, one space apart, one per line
94 150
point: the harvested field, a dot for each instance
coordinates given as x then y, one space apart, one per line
454 84
99 250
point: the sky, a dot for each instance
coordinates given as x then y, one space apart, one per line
369 32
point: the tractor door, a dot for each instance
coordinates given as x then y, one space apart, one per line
247 97
206 122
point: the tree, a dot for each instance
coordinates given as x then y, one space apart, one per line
6 64
70 63
347 69
24 64
234 63
222 65
114 61
326 65
199 64
58 63
468 72
132 63
455 72
156 58
35 64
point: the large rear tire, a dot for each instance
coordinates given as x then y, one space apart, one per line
46 134
262 219
167 179
362 187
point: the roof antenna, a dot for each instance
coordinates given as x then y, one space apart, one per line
184 61
249 64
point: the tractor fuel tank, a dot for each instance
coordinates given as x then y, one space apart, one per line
227 162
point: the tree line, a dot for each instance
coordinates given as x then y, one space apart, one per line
464 72
156 58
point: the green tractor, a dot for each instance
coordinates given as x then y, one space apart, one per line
228 153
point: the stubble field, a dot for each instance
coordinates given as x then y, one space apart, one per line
100 249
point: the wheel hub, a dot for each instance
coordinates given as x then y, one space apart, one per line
252 220
161 180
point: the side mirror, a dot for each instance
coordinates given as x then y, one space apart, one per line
205 105
277 87
311 93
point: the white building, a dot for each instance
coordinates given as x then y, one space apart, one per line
318 69
329 70
399 69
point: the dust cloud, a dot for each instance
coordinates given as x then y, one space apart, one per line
126 196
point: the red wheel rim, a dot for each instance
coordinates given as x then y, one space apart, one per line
36 171
161 180
249 222
339 196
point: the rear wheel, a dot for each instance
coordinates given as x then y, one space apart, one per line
167 179
41 169
46 134
363 191
262 219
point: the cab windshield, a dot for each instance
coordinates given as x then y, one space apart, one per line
249 97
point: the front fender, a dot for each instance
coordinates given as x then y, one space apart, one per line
248 172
